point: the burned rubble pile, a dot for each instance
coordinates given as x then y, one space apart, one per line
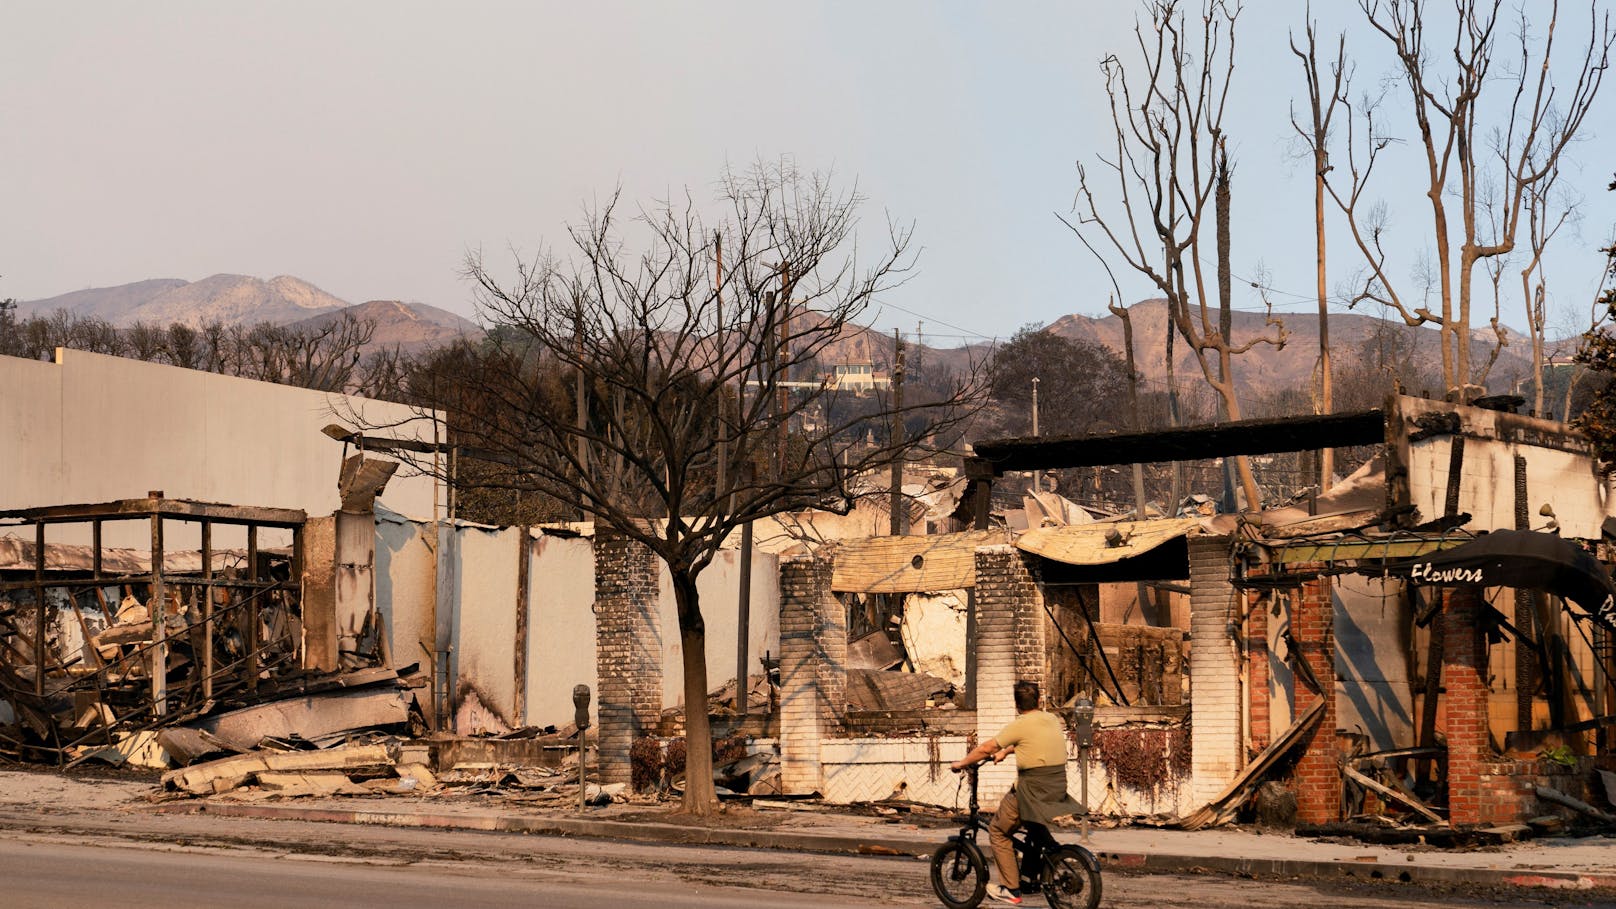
102 647
387 766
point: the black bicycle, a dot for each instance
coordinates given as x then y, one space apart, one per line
1068 875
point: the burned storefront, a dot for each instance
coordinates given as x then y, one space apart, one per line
105 650
1370 652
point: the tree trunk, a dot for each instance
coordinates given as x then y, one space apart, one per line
1326 401
1225 383
1446 333
1177 487
1461 360
700 796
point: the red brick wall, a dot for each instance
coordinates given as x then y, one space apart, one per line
1257 673
1464 683
1318 771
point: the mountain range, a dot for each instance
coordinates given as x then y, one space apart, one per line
1264 372
1360 343
245 300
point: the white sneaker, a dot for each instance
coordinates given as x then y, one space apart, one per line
1003 894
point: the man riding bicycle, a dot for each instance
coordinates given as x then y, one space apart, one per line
1038 740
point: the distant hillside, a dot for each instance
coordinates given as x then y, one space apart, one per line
1264 370
110 303
231 299
411 327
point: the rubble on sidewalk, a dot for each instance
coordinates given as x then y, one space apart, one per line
432 768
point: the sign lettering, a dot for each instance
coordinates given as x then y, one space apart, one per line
1426 573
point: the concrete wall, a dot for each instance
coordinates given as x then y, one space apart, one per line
405 568
719 588
468 601
561 628
485 606
93 428
1560 470
1373 696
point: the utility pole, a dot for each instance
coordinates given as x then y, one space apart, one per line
898 516
722 469
743 618
784 372
1035 407
578 403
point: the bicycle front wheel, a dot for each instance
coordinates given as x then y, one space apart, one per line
958 875
1072 879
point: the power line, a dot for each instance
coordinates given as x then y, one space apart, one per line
968 333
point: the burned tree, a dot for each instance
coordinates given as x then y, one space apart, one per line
1315 134
1173 179
1473 142
632 380
1598 354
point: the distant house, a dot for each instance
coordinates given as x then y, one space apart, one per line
858 377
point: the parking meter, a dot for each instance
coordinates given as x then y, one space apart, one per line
1083 713
580 706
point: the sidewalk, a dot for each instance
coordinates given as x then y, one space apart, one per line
1561 863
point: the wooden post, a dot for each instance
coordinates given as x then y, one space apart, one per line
899 522
253 594
207 611
157 606
39 608
523 583
743 624
1433 682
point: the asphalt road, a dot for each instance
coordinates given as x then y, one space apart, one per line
140 861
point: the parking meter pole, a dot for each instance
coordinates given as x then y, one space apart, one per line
1083 763
580 718
1083 713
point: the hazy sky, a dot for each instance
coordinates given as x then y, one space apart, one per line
365 147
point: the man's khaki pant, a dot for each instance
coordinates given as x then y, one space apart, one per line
1005 820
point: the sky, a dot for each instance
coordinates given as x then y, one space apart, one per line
367 147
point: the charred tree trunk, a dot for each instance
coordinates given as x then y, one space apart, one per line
1225 383
701 798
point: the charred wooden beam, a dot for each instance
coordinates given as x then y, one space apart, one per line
136 509
1189 443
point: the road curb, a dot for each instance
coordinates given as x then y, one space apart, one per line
1409 873
640 831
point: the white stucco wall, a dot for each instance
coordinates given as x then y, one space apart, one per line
94 428
485 608
561 628
475 596
719 588
405 567
1559 472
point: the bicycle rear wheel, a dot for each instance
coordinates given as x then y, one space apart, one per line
1072 879
958 875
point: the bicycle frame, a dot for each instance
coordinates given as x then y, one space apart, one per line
1031 841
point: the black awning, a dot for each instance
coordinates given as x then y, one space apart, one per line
1519 558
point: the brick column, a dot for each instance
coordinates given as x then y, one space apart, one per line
628 649
813 670
1215 747
1257 673
1009 646
1464 684
1318 770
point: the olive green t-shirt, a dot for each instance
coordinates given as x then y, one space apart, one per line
1039 737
